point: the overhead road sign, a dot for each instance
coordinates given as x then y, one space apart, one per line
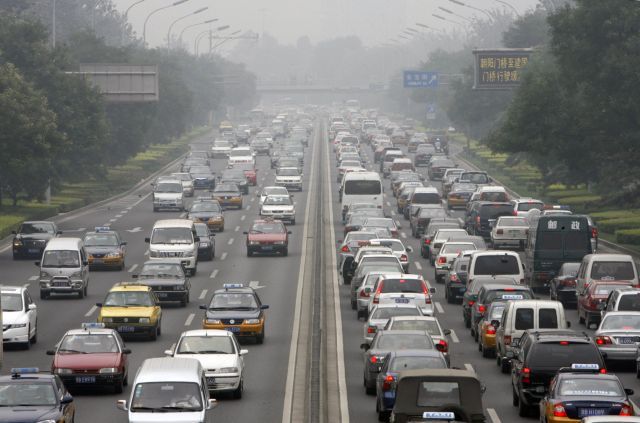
420 79
123 83
499 69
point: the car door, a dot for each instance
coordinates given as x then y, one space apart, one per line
31 310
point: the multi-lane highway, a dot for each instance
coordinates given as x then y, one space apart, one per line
310 366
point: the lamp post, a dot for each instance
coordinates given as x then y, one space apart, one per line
203 33
509 5
144 27
125 16
459 3
442 18
445 10
53 23
195 24
202 9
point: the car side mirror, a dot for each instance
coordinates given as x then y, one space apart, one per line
85 263
196 239
123 243
483 388
510 354
495 323
32 306
245 233
447 332
168 353
432 290
244 352
51 352
126 351
409 249
367 290
628 391
14 232
568 324
289 232
134 276
147 240
66 399
365 346
211 404
203 307
37 263
122 405
264 307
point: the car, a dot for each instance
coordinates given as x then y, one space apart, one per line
105 249
509 231
267 236
207 243
481 213
289 177
132 309
237 177
489 293
35 396
168 194
581 391
540 356
220 355
459 195
19 316
419 220
563 285
354 270
444 234
382 222
203 177
249 170
625 299
428 323
398 249
221 149
402 288
347 166
592 296
208 211
272 190
237 309
351 243
449 178
31 237
487 327
522 205
423 155
91 357
228 195
437 167
395 363
167 279
446 255
361 294
618 335
279 207
380 315
383 343
187 183
455 282
471 293
190 162
356 221
434 225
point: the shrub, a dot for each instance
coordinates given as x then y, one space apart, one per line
612 225
628 236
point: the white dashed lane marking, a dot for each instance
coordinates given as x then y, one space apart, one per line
132 268
223 256
230 241
418 265
189 319
203 294
215 272
439 308
493 415
454 337
91 311
237 228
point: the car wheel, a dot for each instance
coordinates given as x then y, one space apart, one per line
27 344
154 334
125 381
638 369
580 318
467 323
34 338
237 394
505 366
383 416
86 289
370 388
118 388
81 294
514 400
523 410
211 255
249 253
260 337
44 295
486 353
354 305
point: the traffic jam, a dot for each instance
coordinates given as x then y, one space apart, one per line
440 268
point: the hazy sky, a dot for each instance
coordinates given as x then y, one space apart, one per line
374 21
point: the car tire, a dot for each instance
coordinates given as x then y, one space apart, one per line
523 409
383 416
486 353
44 295
354 305
505 366
27 345
293 222
125 381
580 318
237 394
514 398
370 390
285 252
260 337
249 253
81 293
34 338
637 369
467 323
118 388
211 255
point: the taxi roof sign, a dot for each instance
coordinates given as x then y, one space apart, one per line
24 370
512 297
232 285
93 325
102 229
440 415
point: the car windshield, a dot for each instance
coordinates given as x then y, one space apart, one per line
362 187
591 387
128 299
382 313
403 285
417 324
233 300
474 178
14 394
554 355
512 221
205 206
284 200
350 163
172 236
612 270
287 171
399 341
205 345
267 228
11 302
619 322
181 176
416 363
275 191
227 188
222 144
88 344
61 258
36 228
380 222
161 271
101 240
151 397
496 312
523 207
168 187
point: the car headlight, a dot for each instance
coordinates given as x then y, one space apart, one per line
17 243
77 274
109 370
179 288
254 243
64 371
228 370
113 255
213 321
44 275
107 320
144 320
153 253
252 321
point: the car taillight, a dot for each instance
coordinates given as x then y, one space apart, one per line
626 411
427 299
427 241
603 340
442 346
442 260
507 339
478 220
345 249
570 282
558 411
373 359
526 375
481 308
499 231
593 302
471 303
376 298
594 232
404 257
388 383
364 294
491 330
371 329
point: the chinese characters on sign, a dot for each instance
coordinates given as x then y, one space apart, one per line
500 69
420 79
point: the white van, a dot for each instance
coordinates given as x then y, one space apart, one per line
496 263
64 268
169 390
361 187
521 315
175 238
606 267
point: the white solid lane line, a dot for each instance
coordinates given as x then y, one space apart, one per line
439 307
203 294
493 415
223 256
454 337
418 265
214 273
230 241
189 319
132 268
91 310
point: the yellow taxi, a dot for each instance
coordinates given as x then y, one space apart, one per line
105 248
237 309
228 195
132 309
460 195
487 328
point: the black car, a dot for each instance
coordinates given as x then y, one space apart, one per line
203 177
481 212
236 176
167 280
207 243
563 285
31 396
541 354
31 238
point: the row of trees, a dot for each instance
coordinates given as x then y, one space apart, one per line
56 128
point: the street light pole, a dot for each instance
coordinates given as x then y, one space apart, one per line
178 20
53 24
442 18
459 3
144 27
454 14
203 33
125 17
509 5
192 25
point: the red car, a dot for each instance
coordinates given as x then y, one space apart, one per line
250 172
91 357
593 295
267 236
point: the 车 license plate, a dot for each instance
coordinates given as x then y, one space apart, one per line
233 329
585 412
126 329
85 379
402 300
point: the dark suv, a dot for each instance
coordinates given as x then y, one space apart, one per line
481 213
540 355
32 237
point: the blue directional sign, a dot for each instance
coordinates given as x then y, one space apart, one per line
420 79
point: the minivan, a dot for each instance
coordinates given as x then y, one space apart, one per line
606 267
521 315
64 268
175 238
169 390
496 263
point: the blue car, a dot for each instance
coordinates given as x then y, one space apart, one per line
396 362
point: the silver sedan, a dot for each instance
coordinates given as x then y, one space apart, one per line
618 335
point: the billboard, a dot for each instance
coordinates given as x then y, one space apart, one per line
499 69
123 83
420 79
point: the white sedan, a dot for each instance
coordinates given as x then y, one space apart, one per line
272 190
509 230
19 316
279 207
220 355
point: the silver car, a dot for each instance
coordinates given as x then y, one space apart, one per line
381 314
447 253
618 335
351 243
428 323
398 249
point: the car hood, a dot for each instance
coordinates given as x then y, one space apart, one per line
28 414
112 311
11 317
288 177
86 361
212 362
276 207
267 237
45 237
205 215
202 176
162 282
167 195
233 314
101 249
178 417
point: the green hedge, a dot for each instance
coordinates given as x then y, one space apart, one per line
567 193
612 225
628 236
615 214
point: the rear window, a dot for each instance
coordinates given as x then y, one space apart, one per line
494 196
606 289
630 302
456 248
524 319
434 394
548 318
427 325
502 264
507 295
612 270
402 285
523 207
388 312
398 341
493 211
416 363
426 198
562 354
362 187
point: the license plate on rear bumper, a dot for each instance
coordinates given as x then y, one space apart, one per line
402 300
126 329
85 379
